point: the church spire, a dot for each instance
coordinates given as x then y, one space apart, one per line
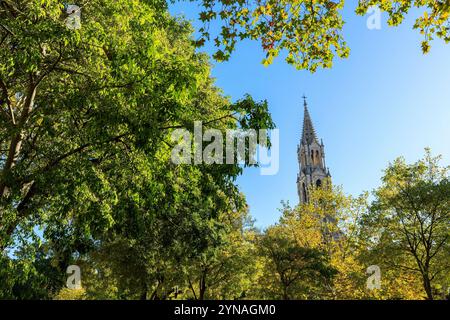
311 159
308 134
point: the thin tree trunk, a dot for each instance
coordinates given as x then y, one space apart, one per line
285 293
427 286
17 139
202 286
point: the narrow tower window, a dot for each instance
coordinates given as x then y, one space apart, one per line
304 193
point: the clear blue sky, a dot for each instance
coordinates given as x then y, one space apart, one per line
386 100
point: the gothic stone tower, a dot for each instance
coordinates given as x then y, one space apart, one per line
311 159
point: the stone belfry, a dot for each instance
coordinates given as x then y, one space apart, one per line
311 159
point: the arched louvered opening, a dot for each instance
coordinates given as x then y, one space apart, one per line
318 183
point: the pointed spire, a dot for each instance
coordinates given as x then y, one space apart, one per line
308 135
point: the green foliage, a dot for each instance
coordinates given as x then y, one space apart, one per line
30 275
86 177
290 270
435 21
407 228
85 148
310 31
226 269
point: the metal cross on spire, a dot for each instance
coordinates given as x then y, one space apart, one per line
304 100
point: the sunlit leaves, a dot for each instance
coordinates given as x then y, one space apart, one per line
92 169
309 31
434 22
409 221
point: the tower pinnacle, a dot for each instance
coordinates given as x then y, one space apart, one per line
308 134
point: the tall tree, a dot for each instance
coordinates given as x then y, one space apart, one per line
408 224
327 223
76 101
226 269
292 271
86 120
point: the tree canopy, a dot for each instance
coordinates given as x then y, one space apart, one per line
408 225
87 116
86 176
